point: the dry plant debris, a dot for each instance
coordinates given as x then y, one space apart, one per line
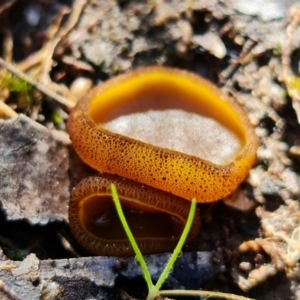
40 191
255 61
96 277
6 294
282 245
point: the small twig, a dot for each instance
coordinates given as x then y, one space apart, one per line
77 64
44 89
4 290
202 293
45 56
64 91
6 266
50 46
61 34
7 111
7 44
32 60
39 56
74 18
245 56
6 6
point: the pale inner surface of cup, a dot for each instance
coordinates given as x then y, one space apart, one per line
180 130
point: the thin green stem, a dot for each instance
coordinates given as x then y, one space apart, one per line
132 241
179 246
153 291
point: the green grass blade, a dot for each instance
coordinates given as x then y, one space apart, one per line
132 241
179 246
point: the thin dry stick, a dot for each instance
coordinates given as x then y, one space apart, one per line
202 293
6 6
64 91
245 56
77 64
50 46
32 60
7 44
4 291
74 18
40 55
45 55
62 33
7 111
12 69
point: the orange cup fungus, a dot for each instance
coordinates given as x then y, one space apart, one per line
172 135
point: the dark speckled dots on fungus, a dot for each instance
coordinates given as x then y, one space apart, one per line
165 136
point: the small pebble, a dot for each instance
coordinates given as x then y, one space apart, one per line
81 86
32 15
